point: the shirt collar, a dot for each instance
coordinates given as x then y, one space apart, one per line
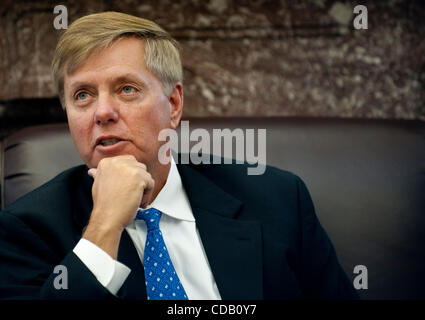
172 200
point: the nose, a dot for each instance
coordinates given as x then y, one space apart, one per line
107 110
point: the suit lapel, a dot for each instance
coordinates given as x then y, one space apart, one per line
233 247
82 202
134 286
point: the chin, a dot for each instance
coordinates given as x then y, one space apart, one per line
92 161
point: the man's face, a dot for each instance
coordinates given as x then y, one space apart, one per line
116 106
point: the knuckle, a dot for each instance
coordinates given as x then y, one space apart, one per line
143 184
136 174
101 163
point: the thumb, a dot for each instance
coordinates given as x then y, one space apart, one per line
92 172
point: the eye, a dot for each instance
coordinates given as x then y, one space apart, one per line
128 89
82 95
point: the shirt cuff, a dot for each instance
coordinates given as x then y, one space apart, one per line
109 272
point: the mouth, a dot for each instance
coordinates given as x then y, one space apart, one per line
107 141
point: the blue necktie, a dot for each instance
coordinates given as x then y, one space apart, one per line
162 282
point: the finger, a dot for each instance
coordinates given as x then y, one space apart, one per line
134 162
142 165
147 193
92 172
126 157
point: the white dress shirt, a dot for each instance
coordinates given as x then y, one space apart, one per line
181 237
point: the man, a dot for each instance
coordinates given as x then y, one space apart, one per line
209 231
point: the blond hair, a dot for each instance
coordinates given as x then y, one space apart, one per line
93 33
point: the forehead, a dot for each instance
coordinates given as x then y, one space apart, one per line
124 57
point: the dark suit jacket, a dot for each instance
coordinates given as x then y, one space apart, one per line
260 233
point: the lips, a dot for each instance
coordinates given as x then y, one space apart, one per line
107 141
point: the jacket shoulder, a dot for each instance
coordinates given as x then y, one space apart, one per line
50 194
274 188
239 174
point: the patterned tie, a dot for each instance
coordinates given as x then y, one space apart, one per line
162 282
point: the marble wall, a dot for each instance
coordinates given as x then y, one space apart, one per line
244 58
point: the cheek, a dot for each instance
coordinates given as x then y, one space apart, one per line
154 117
79 131
161 116
145 132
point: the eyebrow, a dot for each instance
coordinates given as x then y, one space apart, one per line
130 77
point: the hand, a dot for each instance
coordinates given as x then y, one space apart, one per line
120 185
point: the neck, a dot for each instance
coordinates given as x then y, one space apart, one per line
159 173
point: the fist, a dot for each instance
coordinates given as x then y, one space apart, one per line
121 185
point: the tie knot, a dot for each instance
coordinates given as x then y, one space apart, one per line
151 216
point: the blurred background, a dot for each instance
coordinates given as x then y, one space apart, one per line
347 104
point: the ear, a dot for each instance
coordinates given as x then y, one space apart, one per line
176 102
